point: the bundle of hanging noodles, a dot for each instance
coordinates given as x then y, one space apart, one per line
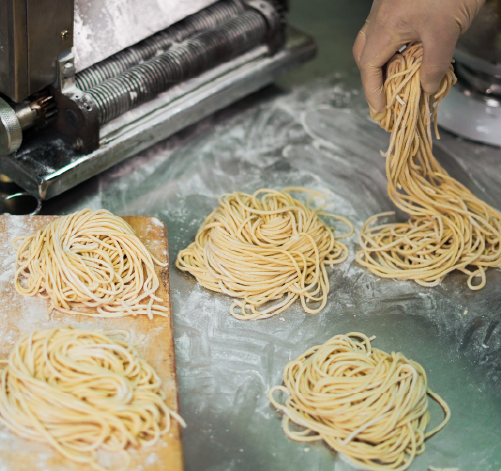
449 228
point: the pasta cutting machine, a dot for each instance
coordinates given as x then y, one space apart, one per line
473 107
85 84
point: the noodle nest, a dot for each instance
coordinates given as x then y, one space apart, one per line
267 249
81 391
369 405
89 262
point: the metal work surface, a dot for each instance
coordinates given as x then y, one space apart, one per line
312 132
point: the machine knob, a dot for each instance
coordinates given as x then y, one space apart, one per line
11 134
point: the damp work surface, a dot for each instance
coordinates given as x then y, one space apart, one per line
20 315
311 130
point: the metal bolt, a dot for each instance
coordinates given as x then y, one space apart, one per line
78 144
65 34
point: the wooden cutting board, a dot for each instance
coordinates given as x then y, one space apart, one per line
19 315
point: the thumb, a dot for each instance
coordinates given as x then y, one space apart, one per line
438 51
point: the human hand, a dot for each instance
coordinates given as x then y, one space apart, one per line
393 23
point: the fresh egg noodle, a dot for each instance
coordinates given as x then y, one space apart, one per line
267 250
449 228
89 262
369 405
81 391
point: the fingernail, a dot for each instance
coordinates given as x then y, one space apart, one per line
376 115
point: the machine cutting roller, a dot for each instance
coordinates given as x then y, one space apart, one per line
206 20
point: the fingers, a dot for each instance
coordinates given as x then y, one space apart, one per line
438 50
377 50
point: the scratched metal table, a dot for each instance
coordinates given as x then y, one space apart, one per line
310 130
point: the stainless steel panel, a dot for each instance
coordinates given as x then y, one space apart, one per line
49 32
104 27
13 50
32 34
472 116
